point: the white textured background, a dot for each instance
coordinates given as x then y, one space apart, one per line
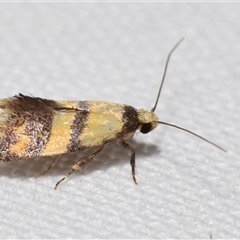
116 52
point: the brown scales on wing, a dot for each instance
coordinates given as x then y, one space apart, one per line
25 124
22 103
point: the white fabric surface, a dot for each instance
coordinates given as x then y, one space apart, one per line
116 52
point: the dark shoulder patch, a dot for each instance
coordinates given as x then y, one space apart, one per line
130 119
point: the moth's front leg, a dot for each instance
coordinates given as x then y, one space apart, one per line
132 159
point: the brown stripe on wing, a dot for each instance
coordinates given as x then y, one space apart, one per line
27 128
130 120
38 129
78 126
7 139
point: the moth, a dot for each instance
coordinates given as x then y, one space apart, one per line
32 127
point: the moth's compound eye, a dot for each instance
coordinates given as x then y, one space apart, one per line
146 128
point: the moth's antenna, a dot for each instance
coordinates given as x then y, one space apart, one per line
164 74
204 139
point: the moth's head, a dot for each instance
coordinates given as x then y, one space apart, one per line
148 120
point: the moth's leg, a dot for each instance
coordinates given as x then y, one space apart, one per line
79 165
132 159
52 165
